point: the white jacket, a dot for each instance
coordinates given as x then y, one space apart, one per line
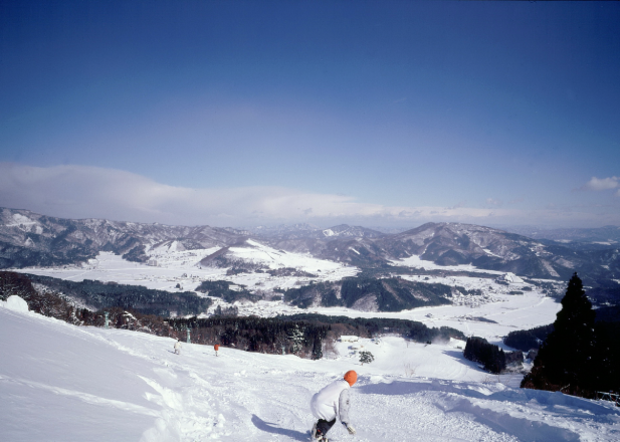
332 401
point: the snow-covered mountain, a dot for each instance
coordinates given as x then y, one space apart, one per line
493 249
28 239
62 383
484 247
449 244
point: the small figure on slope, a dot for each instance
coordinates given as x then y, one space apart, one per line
330 403
216 347
177 347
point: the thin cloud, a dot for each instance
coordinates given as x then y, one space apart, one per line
599 184
92 192
494 202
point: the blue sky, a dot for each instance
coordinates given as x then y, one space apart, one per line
375 113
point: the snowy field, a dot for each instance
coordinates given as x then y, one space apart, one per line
415 262
491 315
60 383
183 267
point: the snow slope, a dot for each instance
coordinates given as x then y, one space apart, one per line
59 383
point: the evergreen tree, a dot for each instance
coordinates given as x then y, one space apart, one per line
297 339
366 357
491 356
564 361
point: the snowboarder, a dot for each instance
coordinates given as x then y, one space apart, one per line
216 347
330 403
177 347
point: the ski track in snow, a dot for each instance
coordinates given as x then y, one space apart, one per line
64 383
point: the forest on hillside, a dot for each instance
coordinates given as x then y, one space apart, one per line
100 295
368 293
306 335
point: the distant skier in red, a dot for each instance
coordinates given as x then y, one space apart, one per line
330 403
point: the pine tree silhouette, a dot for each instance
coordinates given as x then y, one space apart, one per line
565 360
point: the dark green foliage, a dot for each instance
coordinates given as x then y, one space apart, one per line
19 257
606 377
235 266
299 334
550 289
317 349
329 299
366 357
387 294
221 289
137 254
304 296
290 271
604 294
128 320
369 327
526 340
514 357
452 257
12 283
46 303
227 311
303 335
394 294
608 314
491 356
565 361
137 298
265 335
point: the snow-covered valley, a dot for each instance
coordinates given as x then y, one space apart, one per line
491 315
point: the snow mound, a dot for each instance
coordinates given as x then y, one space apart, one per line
16 303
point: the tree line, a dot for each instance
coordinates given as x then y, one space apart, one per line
305 335
101 295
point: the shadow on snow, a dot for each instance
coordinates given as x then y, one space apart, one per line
502 422
271 428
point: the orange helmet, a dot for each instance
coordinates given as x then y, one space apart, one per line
351 377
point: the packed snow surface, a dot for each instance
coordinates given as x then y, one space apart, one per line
59 382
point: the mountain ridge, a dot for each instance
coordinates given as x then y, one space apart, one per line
30 239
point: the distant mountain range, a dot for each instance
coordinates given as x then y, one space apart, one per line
608 235
29 239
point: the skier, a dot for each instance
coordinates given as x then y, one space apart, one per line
330 403
177 347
